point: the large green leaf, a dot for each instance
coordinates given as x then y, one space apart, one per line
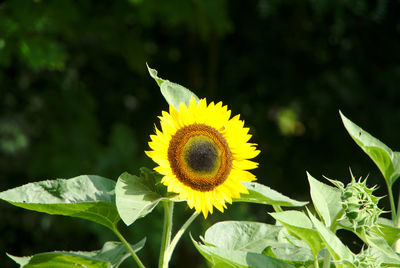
242 235
380 244
336 248
299 225
383 259
326 200
387 161
223 257
135 197
270 240
173 93
293 254
89 197
262 194
110 256
389 232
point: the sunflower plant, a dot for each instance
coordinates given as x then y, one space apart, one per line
203 159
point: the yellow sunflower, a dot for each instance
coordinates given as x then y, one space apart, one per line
203 154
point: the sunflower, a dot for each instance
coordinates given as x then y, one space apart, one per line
203 154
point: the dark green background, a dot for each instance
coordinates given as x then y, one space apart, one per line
76 98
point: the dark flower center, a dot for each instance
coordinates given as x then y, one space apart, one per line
201 156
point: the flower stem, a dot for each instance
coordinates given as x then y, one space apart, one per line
166 235
179 234
128 246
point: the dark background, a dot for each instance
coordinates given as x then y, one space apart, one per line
76 98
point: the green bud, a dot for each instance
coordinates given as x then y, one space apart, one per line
359 204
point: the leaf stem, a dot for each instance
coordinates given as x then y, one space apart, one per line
166 235
316 264
392 205
179 234
277 208
327 259
128 246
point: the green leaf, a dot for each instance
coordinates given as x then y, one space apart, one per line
298 256
173 93
389 232
386 160
89 197
336 248
379 244
223 257
326 200
383 259
110 256
242 235
261 194
299 225
135 197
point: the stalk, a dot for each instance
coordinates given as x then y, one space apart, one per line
128 246
166 235
179 234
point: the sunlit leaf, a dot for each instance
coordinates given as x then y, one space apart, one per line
135 197
242 235
386 160
379 244
299 225
326 200
223 257
336 248
173 93
89 197
389 232
262 194
110 256
298 256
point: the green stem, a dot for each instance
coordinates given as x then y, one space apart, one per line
128 246
334 224
316 264
166 236
327 259
179 234
392 206
396 245
277 208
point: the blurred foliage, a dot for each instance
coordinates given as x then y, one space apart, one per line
75 96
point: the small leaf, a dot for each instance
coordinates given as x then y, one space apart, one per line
242 235
299 225
326 200
261 194
89 197
135 197
335 247
222 257
110 256
173 93
386 160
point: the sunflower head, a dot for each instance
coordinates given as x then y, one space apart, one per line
203 154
